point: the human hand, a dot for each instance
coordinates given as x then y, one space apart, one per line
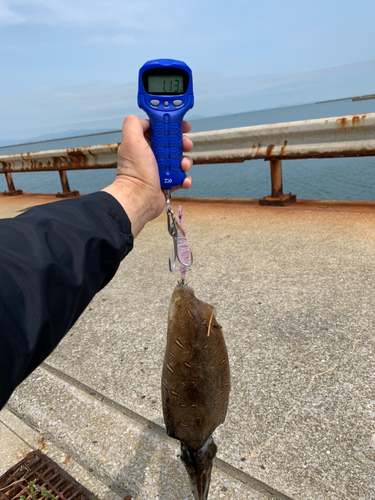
137 183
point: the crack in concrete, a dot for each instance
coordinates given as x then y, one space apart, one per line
17 435
256 452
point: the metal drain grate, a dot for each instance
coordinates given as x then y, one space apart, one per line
47 474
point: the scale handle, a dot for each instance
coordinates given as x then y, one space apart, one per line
166 144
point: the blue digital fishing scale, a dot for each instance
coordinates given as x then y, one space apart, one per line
165 93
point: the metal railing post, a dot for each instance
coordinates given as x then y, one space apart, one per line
276 179
277 197
66 192
12 190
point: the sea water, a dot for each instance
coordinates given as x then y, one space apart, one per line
327 179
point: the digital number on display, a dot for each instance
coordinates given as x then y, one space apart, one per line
165 84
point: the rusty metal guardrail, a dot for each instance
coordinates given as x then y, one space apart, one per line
335 137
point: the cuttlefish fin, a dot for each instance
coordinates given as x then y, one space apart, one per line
198 464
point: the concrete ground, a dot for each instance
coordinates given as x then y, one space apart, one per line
293 290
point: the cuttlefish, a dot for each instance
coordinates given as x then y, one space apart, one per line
195 383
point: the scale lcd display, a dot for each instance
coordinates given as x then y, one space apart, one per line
166 84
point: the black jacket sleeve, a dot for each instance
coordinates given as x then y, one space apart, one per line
53 259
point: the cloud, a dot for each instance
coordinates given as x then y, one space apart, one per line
7 16
137 14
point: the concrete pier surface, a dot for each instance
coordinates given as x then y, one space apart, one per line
293 289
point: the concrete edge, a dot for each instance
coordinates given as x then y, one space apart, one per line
31 439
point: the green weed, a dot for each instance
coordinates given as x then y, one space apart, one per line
34 487
46 494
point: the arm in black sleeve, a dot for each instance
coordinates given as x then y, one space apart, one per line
53 259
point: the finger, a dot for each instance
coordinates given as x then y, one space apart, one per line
145 124
186 126
188 182
134 130
186 163
187 144
148 137
134 124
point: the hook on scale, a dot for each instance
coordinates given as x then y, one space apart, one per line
181 251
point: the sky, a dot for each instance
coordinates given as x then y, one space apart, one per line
73 64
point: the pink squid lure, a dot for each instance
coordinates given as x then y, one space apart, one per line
182 251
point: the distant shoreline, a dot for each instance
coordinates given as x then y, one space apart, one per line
356 98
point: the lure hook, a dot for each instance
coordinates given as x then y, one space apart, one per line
173 231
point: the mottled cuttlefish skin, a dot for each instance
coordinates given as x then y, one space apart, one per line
196 378
195 383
